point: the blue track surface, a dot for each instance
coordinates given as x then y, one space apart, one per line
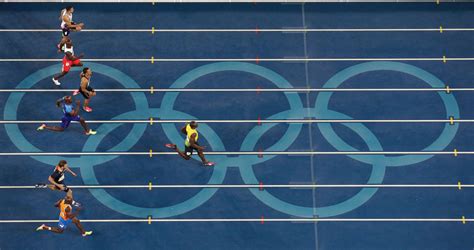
244 203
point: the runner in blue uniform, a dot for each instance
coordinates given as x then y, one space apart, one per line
71 113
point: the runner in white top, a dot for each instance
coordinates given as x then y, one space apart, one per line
67 25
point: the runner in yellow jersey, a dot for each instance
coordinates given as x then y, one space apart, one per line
191 144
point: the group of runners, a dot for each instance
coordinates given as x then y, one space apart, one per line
69 208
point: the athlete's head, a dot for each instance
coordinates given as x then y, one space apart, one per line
68 199
67 41
70 9
68 99
86 72
62 163
193 124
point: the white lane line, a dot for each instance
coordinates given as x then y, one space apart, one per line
158 121
260 220
253 90
440 59
303 186
259 153
253 30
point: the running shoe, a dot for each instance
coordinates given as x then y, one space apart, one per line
56 82
87 233
41 127
41 185
41 227
170 145
87 109
91 132
75 92
209 164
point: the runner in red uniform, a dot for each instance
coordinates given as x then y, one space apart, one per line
69 60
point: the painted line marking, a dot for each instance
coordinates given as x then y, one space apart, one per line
251 220
150 186
284 30
305 185
305 90
151 153
259 121
444 59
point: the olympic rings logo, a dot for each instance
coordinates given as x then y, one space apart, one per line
245 163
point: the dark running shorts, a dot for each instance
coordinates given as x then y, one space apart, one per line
67 30
189 150
84 94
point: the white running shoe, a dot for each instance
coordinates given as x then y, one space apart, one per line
91 132
56 82
87 233
41 127
41 227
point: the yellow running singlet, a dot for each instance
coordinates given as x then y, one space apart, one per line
189 132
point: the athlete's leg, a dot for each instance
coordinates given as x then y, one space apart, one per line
55 230
54 128
63 73
78 225
78 65
87 100
182 154
84 124
52 229
201 155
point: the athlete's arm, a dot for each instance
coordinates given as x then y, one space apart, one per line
70 215
70 57
76 110
57 203
183 130
58 102
192 142
69 170
69 23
